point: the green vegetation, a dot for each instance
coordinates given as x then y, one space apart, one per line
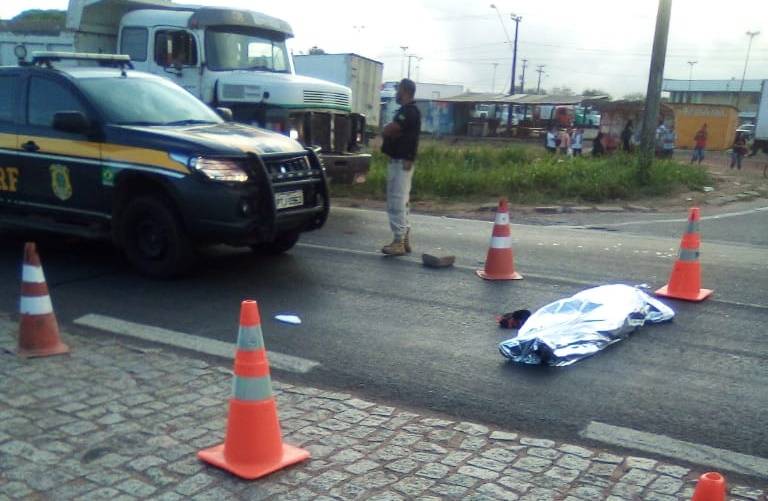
36 21
528 175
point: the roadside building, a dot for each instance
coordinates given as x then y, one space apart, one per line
724 92
721 121
614 116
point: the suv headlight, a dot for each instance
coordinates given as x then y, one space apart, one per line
220 169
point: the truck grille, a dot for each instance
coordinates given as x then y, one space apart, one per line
326 98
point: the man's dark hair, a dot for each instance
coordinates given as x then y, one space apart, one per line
408 85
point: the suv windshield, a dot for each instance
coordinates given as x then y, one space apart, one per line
145 101
230 48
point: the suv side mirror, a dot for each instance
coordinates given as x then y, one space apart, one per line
224 113
71 121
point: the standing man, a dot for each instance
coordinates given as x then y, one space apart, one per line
551 140
577 142
668 144
626 136
701 142
401 142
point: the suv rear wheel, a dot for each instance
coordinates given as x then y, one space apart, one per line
153 238
282 243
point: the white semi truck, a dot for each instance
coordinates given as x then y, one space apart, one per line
230 58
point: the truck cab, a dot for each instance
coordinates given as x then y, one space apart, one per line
226 57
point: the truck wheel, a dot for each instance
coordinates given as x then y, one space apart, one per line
282 243
153 239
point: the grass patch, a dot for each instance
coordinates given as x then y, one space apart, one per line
528 175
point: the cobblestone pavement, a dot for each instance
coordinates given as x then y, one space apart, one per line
119 421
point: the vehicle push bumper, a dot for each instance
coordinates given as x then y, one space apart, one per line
346 168
285 197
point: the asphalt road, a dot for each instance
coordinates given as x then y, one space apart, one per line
393 330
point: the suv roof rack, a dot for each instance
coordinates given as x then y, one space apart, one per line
45 58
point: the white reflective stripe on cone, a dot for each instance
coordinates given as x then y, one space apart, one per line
32 274
502 218
501 242
39 305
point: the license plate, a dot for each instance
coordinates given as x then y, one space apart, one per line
288 199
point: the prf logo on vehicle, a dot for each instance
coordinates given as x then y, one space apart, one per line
9 178
60 182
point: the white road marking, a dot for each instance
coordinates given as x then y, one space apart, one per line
572 227
214 347
705 455
549 278
677 220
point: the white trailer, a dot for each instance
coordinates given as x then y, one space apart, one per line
361 74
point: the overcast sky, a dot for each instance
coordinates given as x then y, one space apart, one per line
602 44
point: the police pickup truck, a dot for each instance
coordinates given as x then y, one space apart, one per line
99 150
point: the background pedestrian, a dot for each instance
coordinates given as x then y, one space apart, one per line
700 140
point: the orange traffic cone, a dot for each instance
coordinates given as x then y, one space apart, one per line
38 329
711 487
685 280
500 262
253 446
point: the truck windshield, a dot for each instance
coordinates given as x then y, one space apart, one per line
145 101
230 48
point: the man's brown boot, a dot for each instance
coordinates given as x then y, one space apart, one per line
407 240
396 248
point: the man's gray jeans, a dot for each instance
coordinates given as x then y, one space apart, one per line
398 196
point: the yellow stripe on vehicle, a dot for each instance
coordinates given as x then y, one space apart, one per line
9 141
65 147
143 156
107 152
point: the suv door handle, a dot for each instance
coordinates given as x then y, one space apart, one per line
30 146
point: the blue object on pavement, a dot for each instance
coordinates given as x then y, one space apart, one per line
288 319
570 329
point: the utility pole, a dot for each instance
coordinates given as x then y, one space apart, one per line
410 56
522 77
690 77
402 61
539 70
653 94
751 35
517 20
493 80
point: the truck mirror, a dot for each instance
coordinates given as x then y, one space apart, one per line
224 113
71 121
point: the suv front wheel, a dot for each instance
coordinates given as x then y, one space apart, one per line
153 238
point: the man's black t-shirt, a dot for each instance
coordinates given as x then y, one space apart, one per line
404 146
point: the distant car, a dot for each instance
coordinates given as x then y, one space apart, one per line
592 118
747 130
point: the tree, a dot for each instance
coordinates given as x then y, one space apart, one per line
316 50
635 96
596 92
37 21
562 91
